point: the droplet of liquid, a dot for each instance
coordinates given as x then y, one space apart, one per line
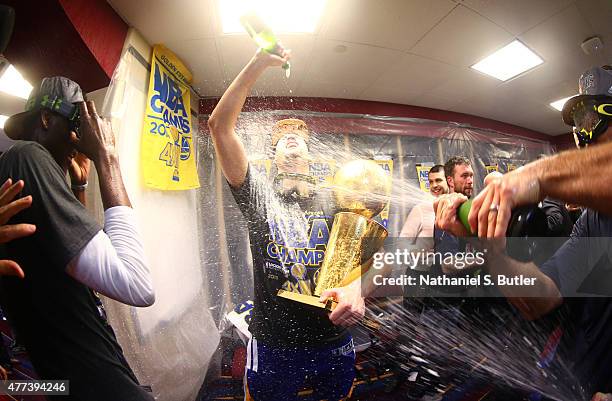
287 72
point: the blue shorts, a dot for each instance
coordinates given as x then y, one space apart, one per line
275 373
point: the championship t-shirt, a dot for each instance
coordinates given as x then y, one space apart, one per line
55 316
288 236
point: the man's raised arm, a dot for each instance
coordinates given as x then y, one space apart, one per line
222 121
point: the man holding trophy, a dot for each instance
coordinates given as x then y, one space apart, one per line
293 335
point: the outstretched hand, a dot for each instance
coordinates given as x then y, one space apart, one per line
492 208
9 208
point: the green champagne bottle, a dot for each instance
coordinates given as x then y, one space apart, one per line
463 213
262 35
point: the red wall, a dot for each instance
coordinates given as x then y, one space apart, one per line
100 28
45 41
563 142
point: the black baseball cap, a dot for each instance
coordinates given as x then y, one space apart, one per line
594 83
58 94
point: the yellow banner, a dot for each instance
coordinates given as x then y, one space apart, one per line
168 152
323 171
423 174
491 168
387 165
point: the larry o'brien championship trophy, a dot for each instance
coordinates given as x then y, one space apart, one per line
361 190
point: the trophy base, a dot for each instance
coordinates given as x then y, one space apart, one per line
329 305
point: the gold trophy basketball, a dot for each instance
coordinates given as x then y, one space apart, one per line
361 190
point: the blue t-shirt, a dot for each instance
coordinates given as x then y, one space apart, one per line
582 270
288 238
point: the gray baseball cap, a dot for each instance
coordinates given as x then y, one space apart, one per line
594 83
58 94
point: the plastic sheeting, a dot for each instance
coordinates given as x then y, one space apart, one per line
340 137
169 344
197 241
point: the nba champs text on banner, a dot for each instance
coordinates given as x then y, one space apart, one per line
168 154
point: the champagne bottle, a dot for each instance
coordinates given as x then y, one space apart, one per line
526 229
262 35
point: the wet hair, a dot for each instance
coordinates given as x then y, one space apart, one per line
449 167
437 168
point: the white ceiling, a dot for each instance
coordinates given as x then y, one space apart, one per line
415 52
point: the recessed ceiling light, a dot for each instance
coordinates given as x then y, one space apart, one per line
282 16
509 61
12 82
3 119
558 104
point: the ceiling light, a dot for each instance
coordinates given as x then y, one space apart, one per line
3 119
508 61
282 16
558 104
12 82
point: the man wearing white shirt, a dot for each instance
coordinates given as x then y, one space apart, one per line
420 221
419 225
